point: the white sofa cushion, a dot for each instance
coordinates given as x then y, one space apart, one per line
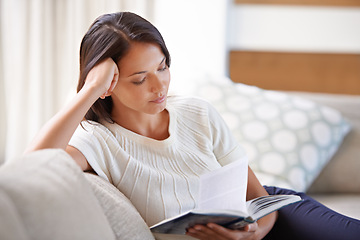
44 195
123 217
11 226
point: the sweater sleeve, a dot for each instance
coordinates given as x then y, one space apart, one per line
225 147
95 141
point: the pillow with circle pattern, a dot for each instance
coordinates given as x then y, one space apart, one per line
288 139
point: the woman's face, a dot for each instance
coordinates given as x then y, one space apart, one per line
144 80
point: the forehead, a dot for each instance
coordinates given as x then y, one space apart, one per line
141 57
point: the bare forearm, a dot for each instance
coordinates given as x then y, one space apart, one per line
57 132
266 224
255 189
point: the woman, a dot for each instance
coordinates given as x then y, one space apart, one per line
154 148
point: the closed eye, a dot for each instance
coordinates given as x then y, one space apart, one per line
141 82
164 65
162 69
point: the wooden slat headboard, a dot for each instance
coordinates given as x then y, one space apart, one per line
339 3
311 72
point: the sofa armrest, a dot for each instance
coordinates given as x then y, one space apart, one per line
45 195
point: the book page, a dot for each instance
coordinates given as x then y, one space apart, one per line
262 206
225 188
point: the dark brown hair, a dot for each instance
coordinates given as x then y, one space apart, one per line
110 36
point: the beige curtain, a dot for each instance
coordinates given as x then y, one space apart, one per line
39 45
2 102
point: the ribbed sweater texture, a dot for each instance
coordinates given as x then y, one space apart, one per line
161 178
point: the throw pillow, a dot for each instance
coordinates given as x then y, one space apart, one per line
288 139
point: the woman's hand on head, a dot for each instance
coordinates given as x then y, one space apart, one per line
103 77
213 231
57 132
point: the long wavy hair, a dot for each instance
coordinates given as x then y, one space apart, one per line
110 36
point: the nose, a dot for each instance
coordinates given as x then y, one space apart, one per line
157 84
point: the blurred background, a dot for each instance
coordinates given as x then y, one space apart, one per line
40 39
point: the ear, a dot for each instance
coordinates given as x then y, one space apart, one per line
106 94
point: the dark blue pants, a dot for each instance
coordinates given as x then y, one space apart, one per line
310 220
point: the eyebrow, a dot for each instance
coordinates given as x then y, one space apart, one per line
141 72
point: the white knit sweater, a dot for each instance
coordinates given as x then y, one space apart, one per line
161 178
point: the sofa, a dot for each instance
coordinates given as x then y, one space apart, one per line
45 195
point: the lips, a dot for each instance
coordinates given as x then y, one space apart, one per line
160 99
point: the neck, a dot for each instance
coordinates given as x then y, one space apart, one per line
149 125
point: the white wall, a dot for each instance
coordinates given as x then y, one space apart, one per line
195 34
294 28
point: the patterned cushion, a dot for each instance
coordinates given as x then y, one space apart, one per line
288 139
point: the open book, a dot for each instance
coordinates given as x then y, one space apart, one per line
231 214
257 208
